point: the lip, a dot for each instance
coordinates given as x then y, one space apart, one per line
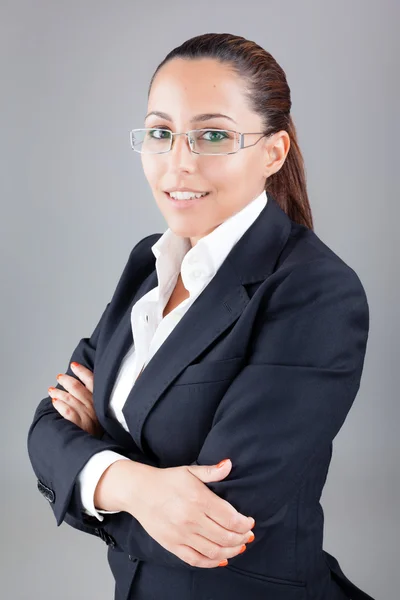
184 189
182 204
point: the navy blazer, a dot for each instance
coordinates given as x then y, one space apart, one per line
262 369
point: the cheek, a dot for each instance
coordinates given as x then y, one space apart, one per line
230 177
246 172
223 172
152 170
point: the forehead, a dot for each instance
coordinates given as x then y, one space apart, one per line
183 88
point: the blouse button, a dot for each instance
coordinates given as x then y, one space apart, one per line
192 259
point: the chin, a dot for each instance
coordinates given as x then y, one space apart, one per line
185 231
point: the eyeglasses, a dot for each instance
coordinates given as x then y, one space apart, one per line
156 140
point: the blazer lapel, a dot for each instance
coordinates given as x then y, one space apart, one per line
221 303
107 368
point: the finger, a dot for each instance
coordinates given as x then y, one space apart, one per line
217 534
74 411
196 559
224 514
66 411
79 407
214 551
84 374
76 388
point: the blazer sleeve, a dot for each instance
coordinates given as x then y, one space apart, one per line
58 449
285 406
292 398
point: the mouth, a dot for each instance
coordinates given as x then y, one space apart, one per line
185 203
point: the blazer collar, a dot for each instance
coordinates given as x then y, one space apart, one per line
252 259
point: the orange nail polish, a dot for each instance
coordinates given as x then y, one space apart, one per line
221 464
75 364
242 549
223 563
59 375
251 539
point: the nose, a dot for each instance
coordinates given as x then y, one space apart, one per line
180 152
180 157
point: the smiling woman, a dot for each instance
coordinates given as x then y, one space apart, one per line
236 334
232 149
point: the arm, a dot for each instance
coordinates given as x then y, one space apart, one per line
285 406
59 449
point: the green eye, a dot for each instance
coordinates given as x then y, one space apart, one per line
215 135
160 134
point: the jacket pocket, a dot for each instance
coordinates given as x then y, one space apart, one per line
236 584
276 580
212 370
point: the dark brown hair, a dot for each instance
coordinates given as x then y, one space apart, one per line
269 96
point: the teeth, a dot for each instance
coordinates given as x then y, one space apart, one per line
185 195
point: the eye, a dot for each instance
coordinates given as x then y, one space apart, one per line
159 134
216 136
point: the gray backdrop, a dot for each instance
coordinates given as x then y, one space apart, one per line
74 201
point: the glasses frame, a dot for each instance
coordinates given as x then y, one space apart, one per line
191 140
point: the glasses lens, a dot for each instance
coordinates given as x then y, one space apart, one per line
205 141
214 141
151 141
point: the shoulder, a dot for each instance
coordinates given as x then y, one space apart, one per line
309 260
312 284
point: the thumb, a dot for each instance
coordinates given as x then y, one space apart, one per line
208 473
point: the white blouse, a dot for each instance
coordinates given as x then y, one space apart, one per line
197 266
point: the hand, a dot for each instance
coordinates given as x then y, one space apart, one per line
76 404
181 513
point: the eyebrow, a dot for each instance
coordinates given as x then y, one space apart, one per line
196 118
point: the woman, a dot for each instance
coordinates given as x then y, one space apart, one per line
236 334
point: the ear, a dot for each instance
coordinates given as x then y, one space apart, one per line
278 146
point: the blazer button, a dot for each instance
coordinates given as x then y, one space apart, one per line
133 558
47 492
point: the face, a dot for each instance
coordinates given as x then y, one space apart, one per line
183 89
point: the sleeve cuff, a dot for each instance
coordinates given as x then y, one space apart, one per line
89 477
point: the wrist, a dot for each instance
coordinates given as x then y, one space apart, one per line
120 486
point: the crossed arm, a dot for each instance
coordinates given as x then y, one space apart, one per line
285 406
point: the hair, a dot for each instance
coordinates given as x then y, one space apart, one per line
268 95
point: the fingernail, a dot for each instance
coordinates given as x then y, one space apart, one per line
221 464
59 375
50 389
75 364
223 563
251 538
242 549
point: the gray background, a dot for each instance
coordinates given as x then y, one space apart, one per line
74 201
